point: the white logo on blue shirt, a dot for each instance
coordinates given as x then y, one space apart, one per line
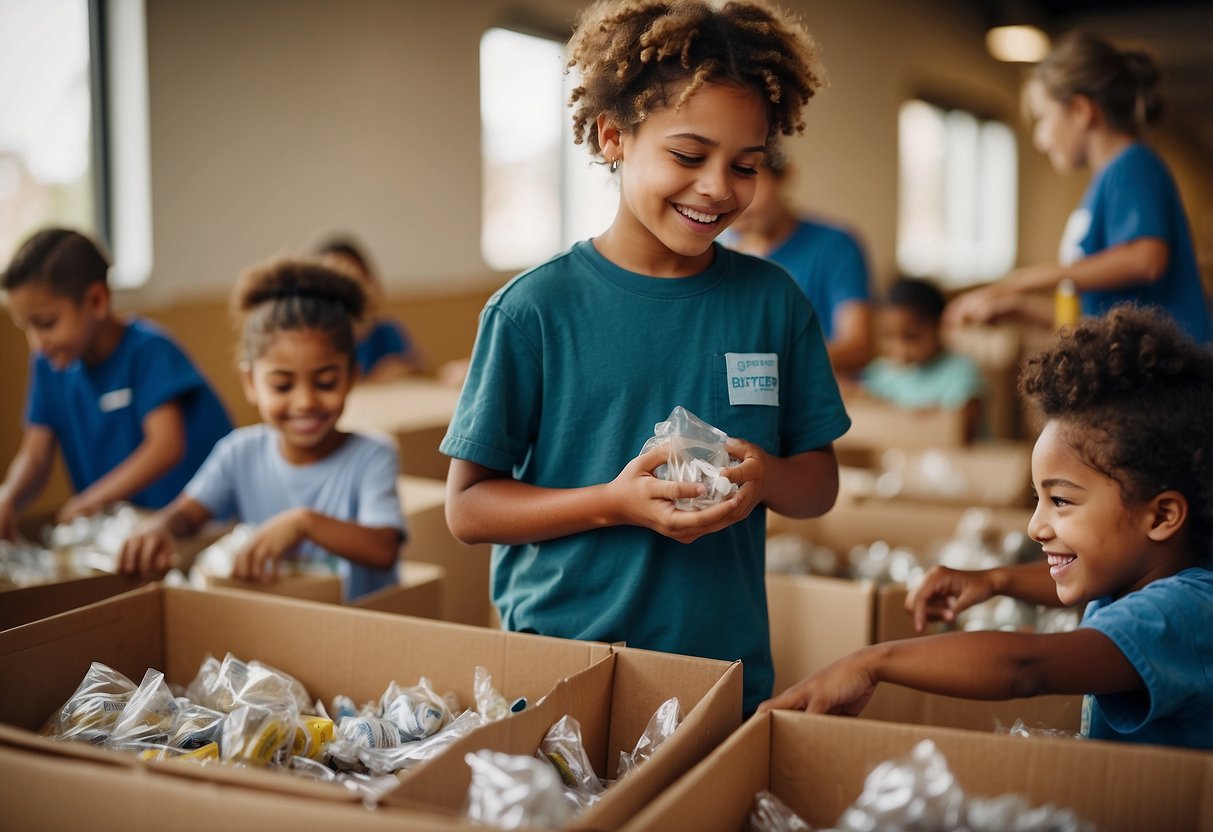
115 400
1070 251
752 377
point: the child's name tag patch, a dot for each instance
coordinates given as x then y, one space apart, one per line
115 400
752 377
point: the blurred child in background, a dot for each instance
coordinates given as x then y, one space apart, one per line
1123 473
915 370
316 494
1129 239
385 348
132 415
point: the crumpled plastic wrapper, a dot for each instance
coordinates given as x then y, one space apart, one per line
792 554
511 791
770 814
96 540
92 711
1019 728
697 454
661 727
919 792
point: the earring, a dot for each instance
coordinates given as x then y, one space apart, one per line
614 165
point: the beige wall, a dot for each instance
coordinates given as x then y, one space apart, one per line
276 122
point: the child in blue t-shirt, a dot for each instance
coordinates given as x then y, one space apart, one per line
916 371
315 493
1124 475
1129 239
576 360
385 347
132 415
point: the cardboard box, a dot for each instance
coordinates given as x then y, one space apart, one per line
420 592
466 590
996 474
20 606
613 701
878 425
817 766
331 649
892 703
414 411
306 585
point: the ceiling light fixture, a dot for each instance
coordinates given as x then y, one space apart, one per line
1019 44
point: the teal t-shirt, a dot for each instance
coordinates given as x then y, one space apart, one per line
575 361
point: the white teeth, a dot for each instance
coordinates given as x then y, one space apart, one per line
695 215
1060 560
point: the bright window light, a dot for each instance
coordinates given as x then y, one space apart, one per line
957 204
1021 44
541 193
46 161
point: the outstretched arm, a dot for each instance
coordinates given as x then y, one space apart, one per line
162 447
368 545
26 477
985 665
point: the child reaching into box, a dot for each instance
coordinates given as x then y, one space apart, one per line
915 369
577 359
132 415
315 493
1123 470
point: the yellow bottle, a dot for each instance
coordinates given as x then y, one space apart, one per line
1066 307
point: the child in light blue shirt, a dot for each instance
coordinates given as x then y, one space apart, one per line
916 371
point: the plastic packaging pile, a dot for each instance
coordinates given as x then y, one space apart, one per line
919 792
974 545
552 788
78 549
928 474
697 454
249 714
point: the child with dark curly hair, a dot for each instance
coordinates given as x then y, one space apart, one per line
577 359
1123 470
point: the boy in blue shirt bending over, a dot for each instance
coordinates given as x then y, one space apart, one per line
130 411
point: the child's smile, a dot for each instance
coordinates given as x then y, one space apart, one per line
299 384
686 174
1097 544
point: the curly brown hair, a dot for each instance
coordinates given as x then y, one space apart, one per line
631 53
295 295
1135 395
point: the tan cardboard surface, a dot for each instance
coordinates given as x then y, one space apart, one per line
892 703
419 592
613 701
20 606
466 590
878 425
324 587
817 765
330 649
816 621
983 474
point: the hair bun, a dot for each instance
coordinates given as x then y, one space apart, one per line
284 279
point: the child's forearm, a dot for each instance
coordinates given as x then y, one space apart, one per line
1000 665
370 546
503 510
804 485
31 467
162 447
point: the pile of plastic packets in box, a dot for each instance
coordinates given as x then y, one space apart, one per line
81 548
550 789
247 713
920 792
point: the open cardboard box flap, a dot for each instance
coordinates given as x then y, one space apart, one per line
613 702
817 766
330 649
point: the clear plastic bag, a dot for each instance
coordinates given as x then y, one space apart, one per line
563 748
417 712
92 711
514 792
366 748
148 717
258 735
697 454
920 792
770 814
490 704
224 686
1019 728
661 726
